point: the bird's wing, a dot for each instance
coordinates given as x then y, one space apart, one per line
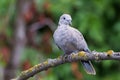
80 42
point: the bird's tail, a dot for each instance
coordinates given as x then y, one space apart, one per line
88 67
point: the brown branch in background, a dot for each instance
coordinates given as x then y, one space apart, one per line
75 70
43 25
110 55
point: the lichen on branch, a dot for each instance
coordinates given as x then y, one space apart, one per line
49 63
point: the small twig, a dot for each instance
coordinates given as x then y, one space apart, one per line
110 55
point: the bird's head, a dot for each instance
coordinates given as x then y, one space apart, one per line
65 19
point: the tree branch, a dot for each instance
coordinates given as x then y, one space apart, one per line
110 55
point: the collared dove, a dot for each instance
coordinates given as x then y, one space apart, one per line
71 40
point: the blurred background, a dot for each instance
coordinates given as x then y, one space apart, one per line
26 28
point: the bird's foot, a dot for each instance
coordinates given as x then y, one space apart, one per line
65 56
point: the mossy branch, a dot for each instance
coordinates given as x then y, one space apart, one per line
110 55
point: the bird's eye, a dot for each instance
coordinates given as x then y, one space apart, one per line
64 18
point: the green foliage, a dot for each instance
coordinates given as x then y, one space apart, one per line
33 56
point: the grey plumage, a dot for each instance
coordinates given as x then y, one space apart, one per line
71 40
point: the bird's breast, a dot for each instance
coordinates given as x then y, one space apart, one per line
64 39
62 35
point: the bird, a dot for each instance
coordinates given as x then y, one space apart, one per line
71 40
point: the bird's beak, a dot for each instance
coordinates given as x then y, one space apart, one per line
70 22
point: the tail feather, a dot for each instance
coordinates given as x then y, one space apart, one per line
88 67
